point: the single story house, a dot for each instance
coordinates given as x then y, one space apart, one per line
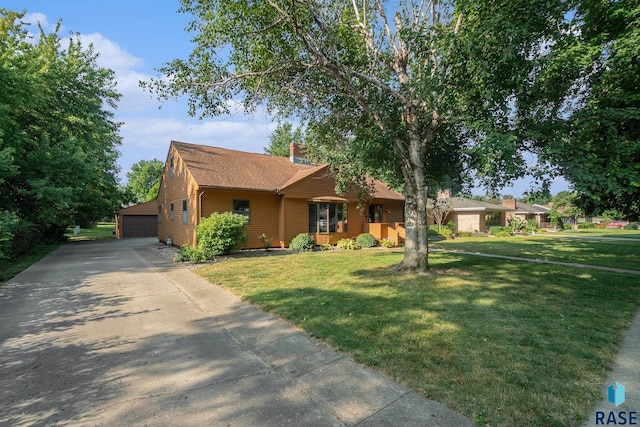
469 215
538 213
139 220
281 197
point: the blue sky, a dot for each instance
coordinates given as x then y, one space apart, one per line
135 37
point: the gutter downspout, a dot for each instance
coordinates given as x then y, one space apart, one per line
199 218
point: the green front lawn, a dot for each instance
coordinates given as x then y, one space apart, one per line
608 253
504 342
103 230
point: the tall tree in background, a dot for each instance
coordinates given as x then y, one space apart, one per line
280 139
57 135
601 155
420 90
143 181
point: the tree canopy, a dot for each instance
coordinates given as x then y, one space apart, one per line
58 138
280 139
143 181
424 92
600 154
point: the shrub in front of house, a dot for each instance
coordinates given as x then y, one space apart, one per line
348 244
532 225
494 230
586 225
221 233
631 226
366 240
302 243
386 242
189 254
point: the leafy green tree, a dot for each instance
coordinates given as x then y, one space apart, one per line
537 197
143 181
280 139
58 138
423 92
601 154
565 205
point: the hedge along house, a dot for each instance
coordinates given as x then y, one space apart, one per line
281 197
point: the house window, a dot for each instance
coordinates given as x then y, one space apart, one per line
171 213
242 207
159 214
171 168
184 211
375 213
327 218
492 219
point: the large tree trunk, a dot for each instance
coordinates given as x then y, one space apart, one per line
416 250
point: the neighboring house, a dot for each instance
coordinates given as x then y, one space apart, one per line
281 197
470 215
139 220
537 213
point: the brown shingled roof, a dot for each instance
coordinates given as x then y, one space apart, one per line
214 167
223 168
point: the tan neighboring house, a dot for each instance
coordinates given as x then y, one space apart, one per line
139 220
470 215
281 197
538 213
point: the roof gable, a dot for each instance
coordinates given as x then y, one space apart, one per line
215 167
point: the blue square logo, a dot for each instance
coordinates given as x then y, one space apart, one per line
615 394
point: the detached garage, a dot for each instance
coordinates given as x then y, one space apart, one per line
138 221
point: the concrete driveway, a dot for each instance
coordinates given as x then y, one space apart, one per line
108 333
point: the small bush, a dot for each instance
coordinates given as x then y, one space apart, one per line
302 243
451 226
266 242
366 240
446 233
517 223
586 225
632 226
495 230
221 233
502 234
348 244
387 243
190 254
532 225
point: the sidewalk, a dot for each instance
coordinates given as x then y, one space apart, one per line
625 370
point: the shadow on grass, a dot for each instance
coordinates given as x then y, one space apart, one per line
492 337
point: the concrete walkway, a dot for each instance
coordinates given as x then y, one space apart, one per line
108 333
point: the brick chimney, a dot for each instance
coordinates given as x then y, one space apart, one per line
297 154
444 194
509 203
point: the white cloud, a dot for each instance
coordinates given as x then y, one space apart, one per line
145 138
111 54
34 19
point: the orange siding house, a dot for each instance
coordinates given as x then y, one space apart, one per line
281 197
